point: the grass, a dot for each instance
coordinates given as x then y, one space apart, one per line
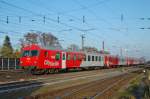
129 91
138 87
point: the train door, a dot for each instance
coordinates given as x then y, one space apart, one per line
63 60
101 58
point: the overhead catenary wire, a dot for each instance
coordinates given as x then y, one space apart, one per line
17 33
59 14
46 27
72 16
92 12
34 13
87 7
37 14
55 20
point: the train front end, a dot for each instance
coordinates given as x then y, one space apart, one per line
29 58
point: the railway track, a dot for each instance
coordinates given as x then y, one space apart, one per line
100 89
42 82
101 78
15 76
104 93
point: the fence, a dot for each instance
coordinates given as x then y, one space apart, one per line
9 63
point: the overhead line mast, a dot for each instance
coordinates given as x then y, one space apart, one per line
83 37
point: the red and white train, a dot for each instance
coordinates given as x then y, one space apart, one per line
41 60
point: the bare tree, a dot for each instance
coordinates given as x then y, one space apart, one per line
31 38
46 40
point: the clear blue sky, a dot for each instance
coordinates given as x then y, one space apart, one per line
102 16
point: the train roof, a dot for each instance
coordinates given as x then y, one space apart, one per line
38 47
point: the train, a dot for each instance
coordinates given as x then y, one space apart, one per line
40 60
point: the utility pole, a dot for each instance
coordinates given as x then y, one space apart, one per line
7 20
58 19
122 17
103 45
83 19
83 37
44 19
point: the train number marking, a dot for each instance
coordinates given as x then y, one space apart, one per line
49 63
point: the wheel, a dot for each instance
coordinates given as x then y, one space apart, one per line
56 70
51 71
37 71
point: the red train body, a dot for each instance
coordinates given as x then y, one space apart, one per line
38 59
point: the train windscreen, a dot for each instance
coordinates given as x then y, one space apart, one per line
26 53
34 53
30 53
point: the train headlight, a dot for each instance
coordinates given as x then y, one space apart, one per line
21 62
35 62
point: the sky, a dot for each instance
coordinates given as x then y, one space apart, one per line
116 22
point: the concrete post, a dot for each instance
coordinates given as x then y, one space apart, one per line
8 64
15 63
148 73
2 64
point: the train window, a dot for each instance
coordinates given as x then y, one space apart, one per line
57 57
99 58
92 58
26 53
79 57
68 57
46 54
64 57
34 53
74 57
96 58
89 58
122 60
